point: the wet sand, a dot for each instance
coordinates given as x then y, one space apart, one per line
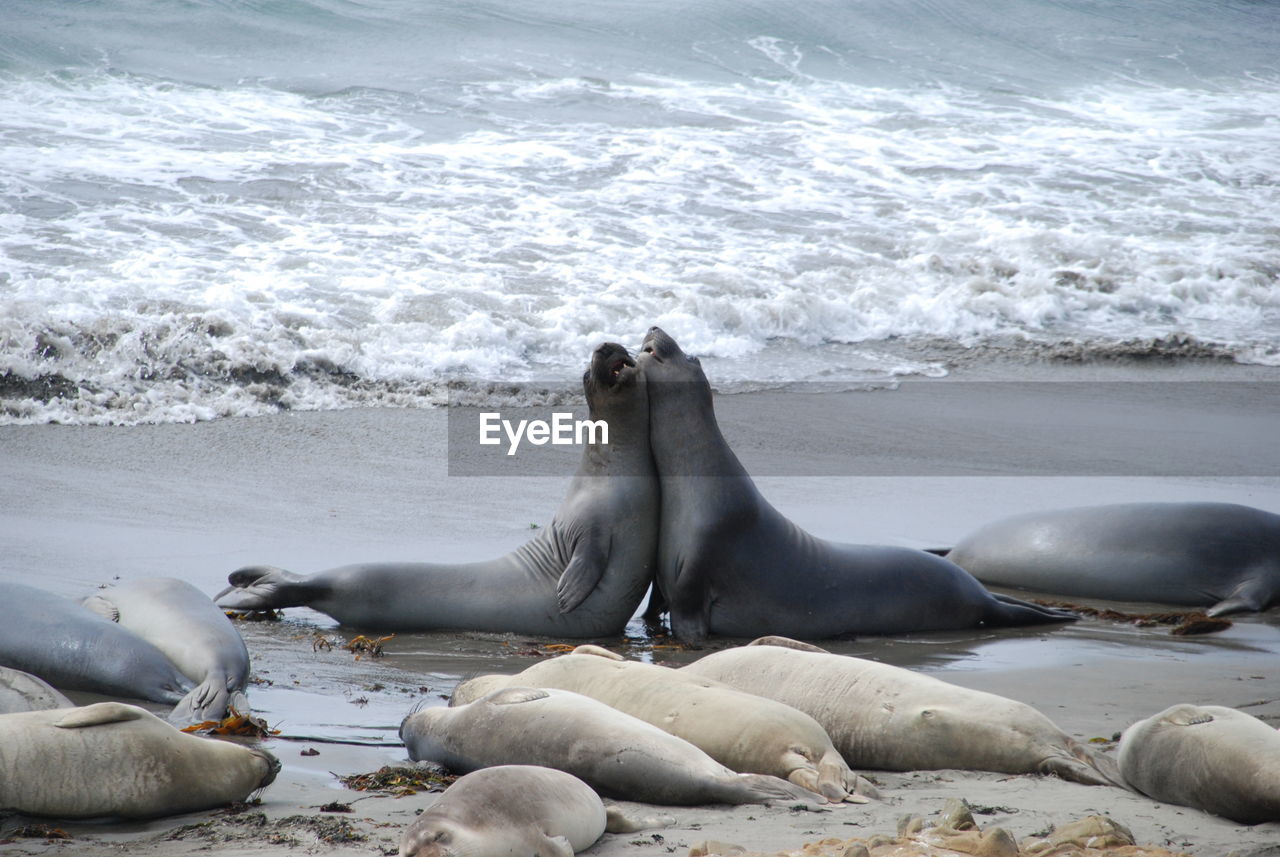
80 506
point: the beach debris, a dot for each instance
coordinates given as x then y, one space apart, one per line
235 723
254 615
362 645
400 780
336 806
34 831
310 751
1185 623
708 847
320 641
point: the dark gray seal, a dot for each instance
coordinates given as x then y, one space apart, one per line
1217 555
583 576
731 564
76 649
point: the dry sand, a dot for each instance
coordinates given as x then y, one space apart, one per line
79 506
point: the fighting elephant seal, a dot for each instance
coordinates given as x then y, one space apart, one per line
117 760
615 753
583 576
742 731
197 637
731 564
76 649
1206 756
892 719
515 810
1218 555
21 691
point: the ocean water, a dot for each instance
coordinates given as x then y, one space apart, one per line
226 208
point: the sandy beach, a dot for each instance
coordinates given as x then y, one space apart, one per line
81 506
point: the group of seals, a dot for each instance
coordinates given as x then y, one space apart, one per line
117 760
583 576
743 731
618 755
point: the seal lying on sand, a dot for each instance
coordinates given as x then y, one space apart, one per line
742 731
893 719
1217 555
21 691
583 576
117 760
76 649
183 623
1207 756
614 753
731 564
515 810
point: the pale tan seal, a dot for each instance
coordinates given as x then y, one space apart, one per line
21 691
744 732
192 632
614 753
893 719
117 760
1207 756
516 811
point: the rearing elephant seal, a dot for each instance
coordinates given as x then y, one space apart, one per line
76 649
742 731
583 576
731 564
515 810
1217 555
615 753
183 623
112 759
1207 756
892 719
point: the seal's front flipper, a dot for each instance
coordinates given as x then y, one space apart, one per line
262 587
617 821
788 643
100 714
208 700
582 574
101 606
1249 596
1010 612
554 846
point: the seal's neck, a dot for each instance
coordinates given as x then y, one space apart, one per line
685 436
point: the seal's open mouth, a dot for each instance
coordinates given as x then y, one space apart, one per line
616 367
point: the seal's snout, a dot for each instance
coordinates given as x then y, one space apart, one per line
608 363
273 768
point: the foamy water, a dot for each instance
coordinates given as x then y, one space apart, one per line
784 196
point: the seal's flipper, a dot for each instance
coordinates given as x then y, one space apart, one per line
582 574
1249 596
788 643
206 701
1008 611
262 587
101 606
554 846
515 695
100 714
616 821
1084 767
764 789
598 651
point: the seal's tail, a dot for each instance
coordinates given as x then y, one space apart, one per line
763 789
1007 611
262 587
1085 766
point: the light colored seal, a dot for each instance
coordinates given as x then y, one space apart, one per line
616 754
744 732
521 810
117 760
1207 756
729 563
76 649
21 691
583 576
1217 555
892 719
197 637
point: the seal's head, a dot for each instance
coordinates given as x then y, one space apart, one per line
430 836
615 388
679 375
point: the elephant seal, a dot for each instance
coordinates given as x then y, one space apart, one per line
516 810
73 648
1206 756
197 637
741 731
117 760
731 564
21 691
583 576
892 719
1217 555
616 754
